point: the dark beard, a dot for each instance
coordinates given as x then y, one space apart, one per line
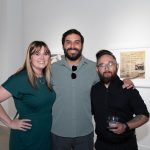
72 58
107 80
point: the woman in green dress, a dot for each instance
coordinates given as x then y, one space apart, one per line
33 97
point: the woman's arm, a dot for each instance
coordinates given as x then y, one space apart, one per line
22 124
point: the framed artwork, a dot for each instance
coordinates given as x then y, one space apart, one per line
134 64
55 57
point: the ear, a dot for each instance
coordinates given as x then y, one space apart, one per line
117 66
96 69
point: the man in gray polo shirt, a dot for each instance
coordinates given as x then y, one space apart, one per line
72 79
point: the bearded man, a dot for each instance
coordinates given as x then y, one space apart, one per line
72 79
110 99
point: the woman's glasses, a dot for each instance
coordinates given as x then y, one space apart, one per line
74 75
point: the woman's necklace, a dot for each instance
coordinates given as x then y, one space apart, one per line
41 80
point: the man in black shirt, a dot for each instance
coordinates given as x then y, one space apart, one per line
110 99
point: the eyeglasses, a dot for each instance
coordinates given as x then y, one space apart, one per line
74 75
108 65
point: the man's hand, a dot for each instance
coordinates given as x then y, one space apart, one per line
118 128
128 84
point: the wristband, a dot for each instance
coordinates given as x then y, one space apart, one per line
127 127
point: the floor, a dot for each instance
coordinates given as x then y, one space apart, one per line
4 138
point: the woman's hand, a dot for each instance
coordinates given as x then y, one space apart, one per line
21 124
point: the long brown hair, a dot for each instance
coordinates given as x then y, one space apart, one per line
34 47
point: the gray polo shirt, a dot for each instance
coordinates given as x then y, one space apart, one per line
72 108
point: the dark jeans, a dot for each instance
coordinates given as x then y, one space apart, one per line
77 143
126 145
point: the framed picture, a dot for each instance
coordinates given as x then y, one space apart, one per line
134 64
55 58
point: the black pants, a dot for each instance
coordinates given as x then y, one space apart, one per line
127 145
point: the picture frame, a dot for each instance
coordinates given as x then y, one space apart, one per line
55 57
134 64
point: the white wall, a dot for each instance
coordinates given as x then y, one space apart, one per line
11 42
143 133
109 24
104 23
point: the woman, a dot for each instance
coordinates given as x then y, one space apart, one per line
33 97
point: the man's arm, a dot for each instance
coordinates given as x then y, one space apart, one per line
137 121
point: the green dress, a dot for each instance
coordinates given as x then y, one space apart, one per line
35 104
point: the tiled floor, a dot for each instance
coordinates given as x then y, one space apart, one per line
4 138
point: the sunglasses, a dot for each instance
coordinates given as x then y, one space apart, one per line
74 75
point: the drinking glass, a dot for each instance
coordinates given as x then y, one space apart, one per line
112 120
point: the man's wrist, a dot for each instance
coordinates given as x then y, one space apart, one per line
127 127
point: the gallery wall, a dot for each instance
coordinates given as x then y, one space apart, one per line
11 42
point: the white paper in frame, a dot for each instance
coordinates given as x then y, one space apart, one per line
55 57
134 64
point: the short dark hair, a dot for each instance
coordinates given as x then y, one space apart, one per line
72 31
102 52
